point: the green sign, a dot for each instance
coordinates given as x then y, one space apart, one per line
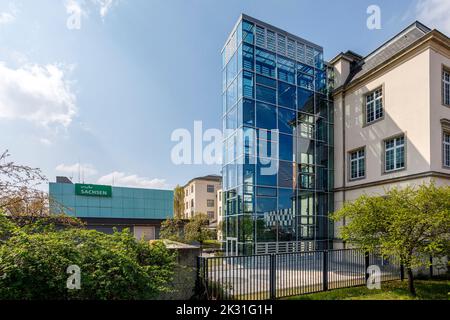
93 190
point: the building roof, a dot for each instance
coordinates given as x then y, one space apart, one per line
363 65
210 177
386 51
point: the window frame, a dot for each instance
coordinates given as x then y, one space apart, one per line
364 105
349 157
394 137
208 202
445 69
445 131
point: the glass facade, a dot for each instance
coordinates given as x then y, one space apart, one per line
276 113
123 203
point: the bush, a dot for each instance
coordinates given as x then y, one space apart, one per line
33 265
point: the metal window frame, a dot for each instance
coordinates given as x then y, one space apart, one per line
395 137
365 106
349 178
445 70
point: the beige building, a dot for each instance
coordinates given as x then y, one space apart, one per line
392 115
200 196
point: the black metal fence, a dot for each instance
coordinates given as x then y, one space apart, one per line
272 276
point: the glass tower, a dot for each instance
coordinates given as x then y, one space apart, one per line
278 138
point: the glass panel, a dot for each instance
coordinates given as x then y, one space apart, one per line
231 121
265 63
286 95
232 69
286 174
266 192
266 81
248 57
305 81
305 100
262 176
248 84
266 116
286 147
285 120
247 32
286 70
248 112
266 94
232 95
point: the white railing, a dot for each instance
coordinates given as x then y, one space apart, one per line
284 247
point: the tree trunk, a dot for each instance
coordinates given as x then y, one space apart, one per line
411 287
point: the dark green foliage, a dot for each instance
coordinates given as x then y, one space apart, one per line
33 264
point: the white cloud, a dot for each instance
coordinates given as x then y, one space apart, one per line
85 169
435 14
124 180
6 18
105 6
74 7
45 141
83 8
40 94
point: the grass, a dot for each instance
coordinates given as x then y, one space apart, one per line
392 290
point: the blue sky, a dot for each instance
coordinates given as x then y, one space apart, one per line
109 94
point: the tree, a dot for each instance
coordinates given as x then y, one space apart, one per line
172 229
197 229
409 223
34 265
18 186
178 202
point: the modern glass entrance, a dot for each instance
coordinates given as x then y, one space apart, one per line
278 136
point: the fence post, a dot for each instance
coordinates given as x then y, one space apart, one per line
366 264
199 289
273 276
431 266
325 270
402 272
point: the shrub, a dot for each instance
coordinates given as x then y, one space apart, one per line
33 265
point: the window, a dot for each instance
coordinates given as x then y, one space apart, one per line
192 188
446 87
285 120
286 70
247 32
446 149
266 116
265 63
266 94
248 112
374 106
211 215
210 203
192 203
305 100
247 89
286 95
210 188
357 164
247 57
394 158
